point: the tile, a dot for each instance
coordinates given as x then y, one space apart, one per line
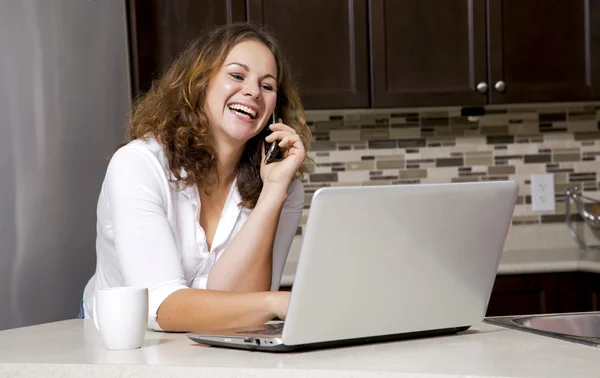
500 139
443 121
387 156
582 126
405 133
560 177
323 177
465 179
525 219
494 120
351 117
428 145
479 160
438 114
561 187
570 150
411 143
344 135
583 176
360 165
389 164
374 134
329 125
397 120
413 174
566 157
449 162
352 176
494 130
373 117
586 135
581 116
478 153
537 158
525 128
378 144
377 183
501 170
323 146
559 218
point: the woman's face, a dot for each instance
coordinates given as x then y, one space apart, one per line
242 95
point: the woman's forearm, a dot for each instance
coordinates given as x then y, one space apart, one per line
246 264
197 309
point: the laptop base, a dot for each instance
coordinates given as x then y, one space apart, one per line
282 348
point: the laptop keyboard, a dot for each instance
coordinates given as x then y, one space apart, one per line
274 329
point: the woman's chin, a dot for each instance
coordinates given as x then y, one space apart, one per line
241 136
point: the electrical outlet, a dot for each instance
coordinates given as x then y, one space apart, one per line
542 192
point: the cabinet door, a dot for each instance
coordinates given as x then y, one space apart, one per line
544 50
325 43
590 291
523 294
427 52
160 29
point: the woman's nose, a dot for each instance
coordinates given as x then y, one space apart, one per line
251 90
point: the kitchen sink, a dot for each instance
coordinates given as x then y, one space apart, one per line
579 327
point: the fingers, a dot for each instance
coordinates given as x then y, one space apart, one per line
282 127
276 135
289 140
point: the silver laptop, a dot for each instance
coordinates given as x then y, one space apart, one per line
382 263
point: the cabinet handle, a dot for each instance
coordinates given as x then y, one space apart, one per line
500 86
482 87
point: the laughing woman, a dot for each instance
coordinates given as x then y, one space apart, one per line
188 207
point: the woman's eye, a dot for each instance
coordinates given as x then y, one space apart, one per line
267 87
236 76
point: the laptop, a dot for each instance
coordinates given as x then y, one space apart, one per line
384 263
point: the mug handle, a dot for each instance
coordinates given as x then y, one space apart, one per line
95 314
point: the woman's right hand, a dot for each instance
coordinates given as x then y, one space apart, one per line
278 303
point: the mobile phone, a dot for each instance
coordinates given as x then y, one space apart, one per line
272 151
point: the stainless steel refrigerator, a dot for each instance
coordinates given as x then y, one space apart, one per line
64 98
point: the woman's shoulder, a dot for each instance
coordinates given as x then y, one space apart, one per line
140 152
138 158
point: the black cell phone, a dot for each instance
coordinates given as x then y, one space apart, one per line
272 151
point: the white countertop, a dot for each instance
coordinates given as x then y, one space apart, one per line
72 348
519 262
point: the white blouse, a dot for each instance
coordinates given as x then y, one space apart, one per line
148 230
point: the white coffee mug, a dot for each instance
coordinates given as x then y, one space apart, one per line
121 316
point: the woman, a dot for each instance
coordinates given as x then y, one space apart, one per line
188 207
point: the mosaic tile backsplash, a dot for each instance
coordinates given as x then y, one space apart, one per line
436 145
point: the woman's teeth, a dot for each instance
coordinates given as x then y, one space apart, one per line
243 111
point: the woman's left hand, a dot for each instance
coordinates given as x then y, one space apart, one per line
283 171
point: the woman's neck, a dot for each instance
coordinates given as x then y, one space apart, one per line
228 158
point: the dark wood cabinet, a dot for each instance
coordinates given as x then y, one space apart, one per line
325 43
541 293
590 291
397 53
160 29
427 52
544 50
523 294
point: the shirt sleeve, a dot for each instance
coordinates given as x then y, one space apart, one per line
286 229
137 194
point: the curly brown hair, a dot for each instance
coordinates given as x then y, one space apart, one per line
173 113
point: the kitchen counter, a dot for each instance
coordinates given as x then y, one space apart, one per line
72 348
520 262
